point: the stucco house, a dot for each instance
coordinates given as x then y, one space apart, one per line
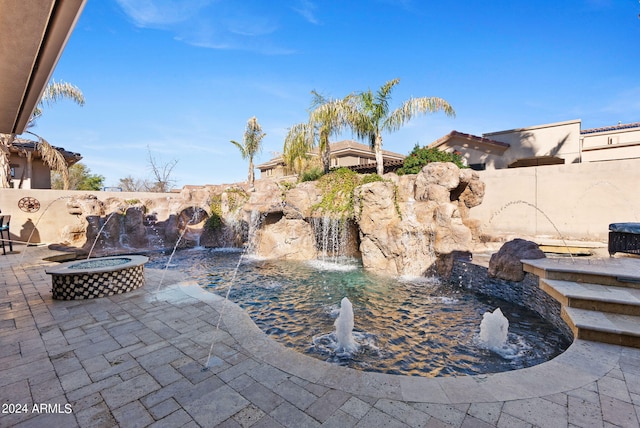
28 170
549 144
346 153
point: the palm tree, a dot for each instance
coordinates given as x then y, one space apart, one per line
297 145
53 92
251 144
370 115
327 117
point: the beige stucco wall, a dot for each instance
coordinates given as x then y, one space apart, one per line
581 200
53 215
560 139
611 145
351 160
40 173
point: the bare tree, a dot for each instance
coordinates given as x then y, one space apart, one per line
162 181
131 184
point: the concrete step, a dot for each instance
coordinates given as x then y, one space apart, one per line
617 272
594 297
603 327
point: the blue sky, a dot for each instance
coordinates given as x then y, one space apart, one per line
180 79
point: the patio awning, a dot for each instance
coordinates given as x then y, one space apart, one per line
34 34
536 161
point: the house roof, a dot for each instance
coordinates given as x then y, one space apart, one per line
22 145
455 138
272 163
346 147
369 168
338 149
36 32
618 127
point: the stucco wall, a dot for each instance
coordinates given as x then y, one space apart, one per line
612 145
555 139
580 200
40 173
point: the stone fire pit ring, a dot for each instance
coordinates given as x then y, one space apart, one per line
98 277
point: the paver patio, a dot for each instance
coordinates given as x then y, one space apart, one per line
142 359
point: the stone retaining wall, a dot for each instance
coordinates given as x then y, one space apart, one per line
525 293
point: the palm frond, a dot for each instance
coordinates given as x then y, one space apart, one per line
299 141
383 96
253 136
56 91
5 168
414 107
317 100
54 159
240 147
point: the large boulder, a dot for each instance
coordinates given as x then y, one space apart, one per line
85 205
299 201
506 263
287 239
135 233
472 191
436 180
408 223
267 197
395 236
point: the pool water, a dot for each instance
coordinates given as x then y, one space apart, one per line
419 327
100 263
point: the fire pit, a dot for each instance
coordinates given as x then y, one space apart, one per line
99 277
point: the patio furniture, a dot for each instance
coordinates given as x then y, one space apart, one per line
5 237
624 238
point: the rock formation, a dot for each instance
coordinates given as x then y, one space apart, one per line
506 264
405 233
400 226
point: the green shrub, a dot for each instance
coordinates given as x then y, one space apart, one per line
337 189
312 175
420 156
214 222
370 178
236 197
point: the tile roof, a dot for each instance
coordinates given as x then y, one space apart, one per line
471 138
618 127
29 145
346 145
336 149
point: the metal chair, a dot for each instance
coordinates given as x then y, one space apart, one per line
5 220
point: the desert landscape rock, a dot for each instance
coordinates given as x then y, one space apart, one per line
401 226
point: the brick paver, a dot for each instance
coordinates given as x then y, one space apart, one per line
155 357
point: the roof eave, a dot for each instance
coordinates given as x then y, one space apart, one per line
471 142
40 30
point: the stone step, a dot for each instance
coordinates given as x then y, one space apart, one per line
594 297
603 327
617 272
